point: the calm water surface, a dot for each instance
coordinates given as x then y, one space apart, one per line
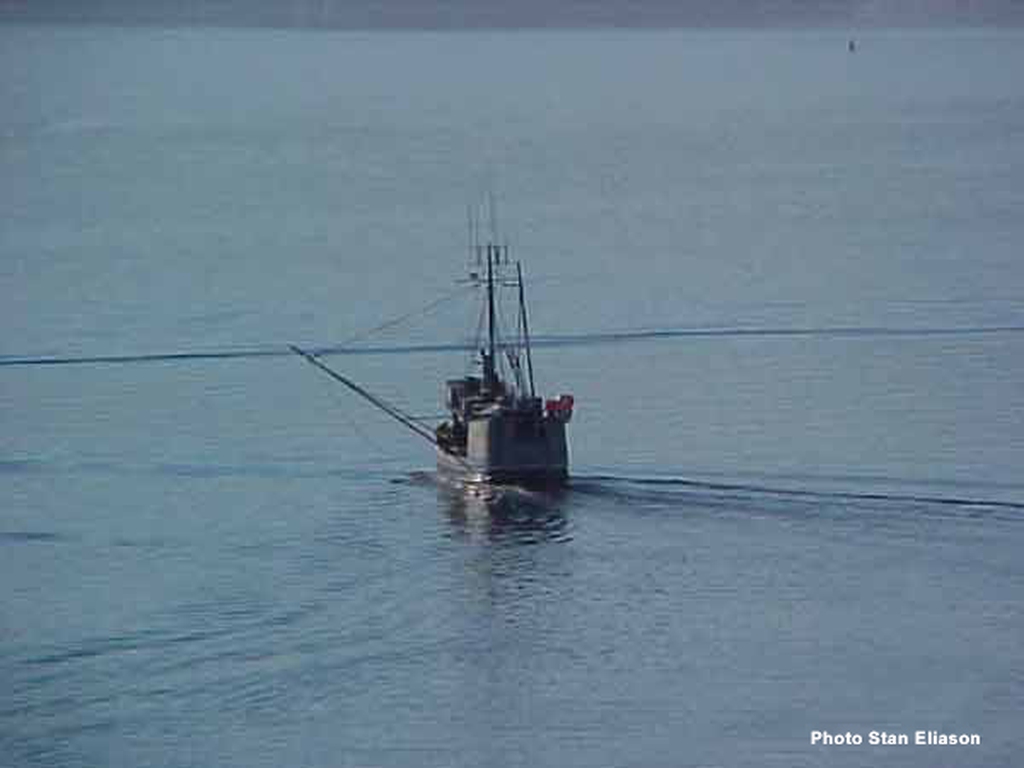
800 508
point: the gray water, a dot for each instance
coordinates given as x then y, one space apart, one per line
796 502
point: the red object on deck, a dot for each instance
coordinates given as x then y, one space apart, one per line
560 408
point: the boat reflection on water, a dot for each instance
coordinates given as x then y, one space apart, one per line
505 513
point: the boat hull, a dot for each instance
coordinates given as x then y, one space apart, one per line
458 470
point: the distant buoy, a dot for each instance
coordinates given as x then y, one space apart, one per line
852 45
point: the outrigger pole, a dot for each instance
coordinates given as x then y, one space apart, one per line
402 418
389 409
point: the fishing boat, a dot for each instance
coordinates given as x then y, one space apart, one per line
499 430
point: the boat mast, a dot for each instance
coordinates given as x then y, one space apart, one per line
489 359
526 328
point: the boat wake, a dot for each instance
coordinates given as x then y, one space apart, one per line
650 491
541 340
685 492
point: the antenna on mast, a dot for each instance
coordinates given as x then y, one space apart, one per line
494 218
476 248
475 261
469 235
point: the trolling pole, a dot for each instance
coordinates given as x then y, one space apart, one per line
389 409
402 418
526 328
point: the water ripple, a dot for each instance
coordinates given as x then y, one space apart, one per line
18 537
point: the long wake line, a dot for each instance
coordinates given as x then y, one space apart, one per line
554 340
581 483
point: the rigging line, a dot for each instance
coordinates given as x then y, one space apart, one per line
507 345
407 316
394 412
221 354
338 397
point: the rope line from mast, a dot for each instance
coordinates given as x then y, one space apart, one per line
397 321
